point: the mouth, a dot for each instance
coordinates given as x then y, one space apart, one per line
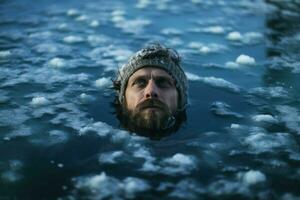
151 108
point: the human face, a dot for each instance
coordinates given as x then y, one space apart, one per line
151 97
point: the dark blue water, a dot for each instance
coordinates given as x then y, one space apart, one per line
59 136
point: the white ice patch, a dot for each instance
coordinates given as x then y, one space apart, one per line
94 23
103 83
207 48
270 92
214 30
97 40
99 186
72 39
263 142
111 157
85 98
143 4
39 101
5 54
186 189
232 65
178 164
72 12
81 18
220 83
264 118
252 177
222 109
46 48
290 116
171 31
234 36
247 38
101 128
245 60
223 187
110 53
57 62
106 187
192 77
213 81
135 26
133 185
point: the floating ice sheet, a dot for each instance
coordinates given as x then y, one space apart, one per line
222 109
103 186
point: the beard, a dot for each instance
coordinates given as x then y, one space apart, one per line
150 115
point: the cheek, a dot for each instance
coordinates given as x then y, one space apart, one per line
132 99
173 100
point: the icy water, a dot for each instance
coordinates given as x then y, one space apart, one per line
61 140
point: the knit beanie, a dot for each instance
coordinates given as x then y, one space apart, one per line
155 55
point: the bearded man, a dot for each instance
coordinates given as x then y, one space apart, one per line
151 92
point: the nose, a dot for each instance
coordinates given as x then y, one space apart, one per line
151 90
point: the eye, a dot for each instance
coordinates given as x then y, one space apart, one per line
140 82
164 82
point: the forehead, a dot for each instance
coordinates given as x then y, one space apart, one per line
151 71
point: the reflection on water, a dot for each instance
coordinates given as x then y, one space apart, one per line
61 140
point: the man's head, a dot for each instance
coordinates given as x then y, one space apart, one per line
152 90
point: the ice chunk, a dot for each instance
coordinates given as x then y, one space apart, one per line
290 116
214 29
94 23
231 65
142 4
270 92
179 164
111 157
5 54
101 128
46 48
171 31
252 38
207 48
72 12
134 185
245 60
192 77
234 36
81 18
72 39
180 159
222 109
213 81
252 177
103 82
106 187
263 142
39 101
224 187
60 165
264 118
135 26
186 189
19 115
85 98
221 83
57 62
99 186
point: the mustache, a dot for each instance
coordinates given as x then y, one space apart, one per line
151 103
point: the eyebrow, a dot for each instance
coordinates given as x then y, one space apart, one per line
155 77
